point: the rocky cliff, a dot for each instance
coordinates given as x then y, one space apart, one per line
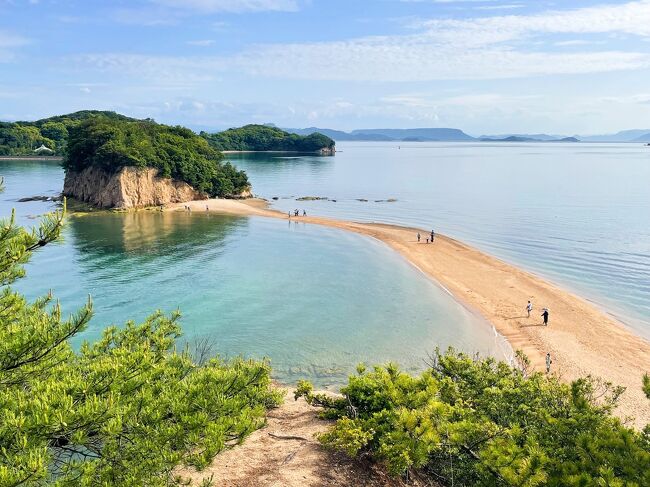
130 187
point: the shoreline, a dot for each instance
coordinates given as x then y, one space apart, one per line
31 158
582 338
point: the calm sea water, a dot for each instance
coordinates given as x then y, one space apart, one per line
577 214
315 300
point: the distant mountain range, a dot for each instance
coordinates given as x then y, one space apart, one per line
457 135
413 135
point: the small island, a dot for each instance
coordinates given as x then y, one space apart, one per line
121 163
260 138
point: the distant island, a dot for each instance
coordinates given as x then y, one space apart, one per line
519 138
117 162
386 135
266 138
457 135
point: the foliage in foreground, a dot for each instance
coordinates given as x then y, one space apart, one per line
176 152
264 138
467 422
123 411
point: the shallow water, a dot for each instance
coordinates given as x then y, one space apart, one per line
577 214
315 300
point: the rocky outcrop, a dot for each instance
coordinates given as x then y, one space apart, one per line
327 151
130 187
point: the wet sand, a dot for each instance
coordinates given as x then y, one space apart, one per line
582 339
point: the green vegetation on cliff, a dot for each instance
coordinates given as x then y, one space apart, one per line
176 152
265 138
23 138
482 423
124 411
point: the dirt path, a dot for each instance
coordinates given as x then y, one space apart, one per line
285 453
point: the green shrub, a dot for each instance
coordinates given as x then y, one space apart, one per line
481 422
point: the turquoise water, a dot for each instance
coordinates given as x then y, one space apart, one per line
315 300
577 214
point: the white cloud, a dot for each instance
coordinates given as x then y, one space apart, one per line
201 42
481 48
232 6
8 43
508 6
628 18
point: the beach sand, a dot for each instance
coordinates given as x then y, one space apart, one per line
582 339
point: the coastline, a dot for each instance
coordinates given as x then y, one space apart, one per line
31 158
581 338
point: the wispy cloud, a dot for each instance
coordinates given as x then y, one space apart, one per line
476 48
232 6
201 42
8 43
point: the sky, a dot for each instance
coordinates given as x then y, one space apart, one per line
485 66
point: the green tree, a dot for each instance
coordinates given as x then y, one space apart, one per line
57 131
124 411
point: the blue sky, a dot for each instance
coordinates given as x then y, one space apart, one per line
486 66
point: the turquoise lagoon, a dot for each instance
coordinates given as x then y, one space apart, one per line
316 301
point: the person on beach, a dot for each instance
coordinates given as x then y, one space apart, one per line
418 237
432 236
289 213
545 316
548 362
529 308
427 239
304 213
206 208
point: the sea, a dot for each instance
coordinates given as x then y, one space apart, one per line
318 301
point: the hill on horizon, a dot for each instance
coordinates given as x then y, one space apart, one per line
415 134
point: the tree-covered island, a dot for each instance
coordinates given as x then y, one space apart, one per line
111 143
266 138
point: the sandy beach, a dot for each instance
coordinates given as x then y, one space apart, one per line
582 339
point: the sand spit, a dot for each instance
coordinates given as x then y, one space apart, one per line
582 339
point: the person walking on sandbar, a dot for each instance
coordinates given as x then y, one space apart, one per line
548 362
432 236
529 308
304 213
418 237
545 316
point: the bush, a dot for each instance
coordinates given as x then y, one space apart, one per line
482 422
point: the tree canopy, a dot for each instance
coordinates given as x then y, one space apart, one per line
468 422
265 138
176 152
21 138
124 411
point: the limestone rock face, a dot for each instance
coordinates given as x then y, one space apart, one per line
130 187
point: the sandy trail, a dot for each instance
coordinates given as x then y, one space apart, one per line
582 339
286 453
